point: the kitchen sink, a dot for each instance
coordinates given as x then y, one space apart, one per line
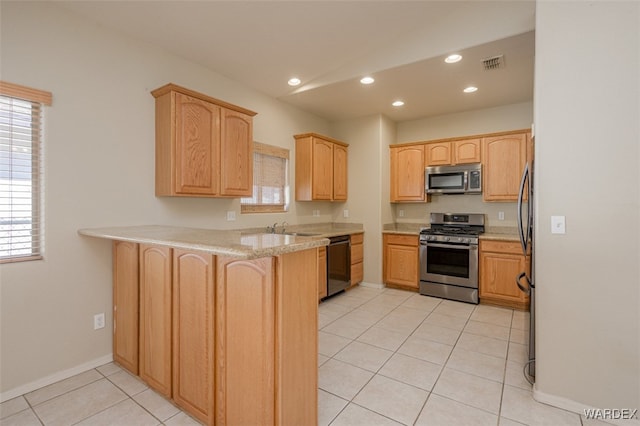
302 234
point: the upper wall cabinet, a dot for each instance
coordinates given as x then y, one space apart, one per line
407 173
204 146
454 152
503 161
321 168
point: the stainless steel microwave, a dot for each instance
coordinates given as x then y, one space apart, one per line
462 179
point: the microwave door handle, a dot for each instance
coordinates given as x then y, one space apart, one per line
521 232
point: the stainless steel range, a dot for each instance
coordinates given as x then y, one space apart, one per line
449 256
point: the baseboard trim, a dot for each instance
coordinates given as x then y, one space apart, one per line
53 378
371 285
578 407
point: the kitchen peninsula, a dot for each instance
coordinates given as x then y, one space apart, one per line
222 322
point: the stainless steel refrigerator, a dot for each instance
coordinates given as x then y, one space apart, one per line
524 280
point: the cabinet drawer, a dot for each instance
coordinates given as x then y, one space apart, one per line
402 240
356 253
511 247
357 273
357 238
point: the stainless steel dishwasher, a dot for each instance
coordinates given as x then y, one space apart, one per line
338 264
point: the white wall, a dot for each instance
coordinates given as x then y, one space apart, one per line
99 171
369 139
489 120
587 109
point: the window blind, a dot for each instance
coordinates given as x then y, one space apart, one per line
270 180
21 174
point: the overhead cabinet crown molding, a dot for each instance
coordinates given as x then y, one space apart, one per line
204 146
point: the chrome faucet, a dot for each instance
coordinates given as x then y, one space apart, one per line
272 229
284 224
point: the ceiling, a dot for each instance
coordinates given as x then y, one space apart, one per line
330 45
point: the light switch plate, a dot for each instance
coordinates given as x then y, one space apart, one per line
231 215
558 225
345 213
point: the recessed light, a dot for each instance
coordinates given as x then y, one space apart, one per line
452 59
294 81
367 80
397 103
470 89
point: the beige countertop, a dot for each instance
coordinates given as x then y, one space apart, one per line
504 233
242 243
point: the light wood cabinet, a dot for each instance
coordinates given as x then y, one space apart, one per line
438 154
357 258
235 340
322 272
500 263
125 305
204 146
245 345
503 161
321 168
155 317
400 263
193 332
407 173
462 151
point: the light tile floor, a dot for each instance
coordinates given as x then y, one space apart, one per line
386 357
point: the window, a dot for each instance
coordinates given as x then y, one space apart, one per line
270 180
21 236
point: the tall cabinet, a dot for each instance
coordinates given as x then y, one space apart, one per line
321 168
204 146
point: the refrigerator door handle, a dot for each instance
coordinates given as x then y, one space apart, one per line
526 290
524 238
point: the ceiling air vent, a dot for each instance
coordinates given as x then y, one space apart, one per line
493 63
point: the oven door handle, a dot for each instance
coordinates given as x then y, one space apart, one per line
454 246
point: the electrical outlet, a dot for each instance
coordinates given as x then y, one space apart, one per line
500 215
400 213
345 213
316 213
231 215
98 321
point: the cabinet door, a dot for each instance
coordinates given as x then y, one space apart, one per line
193 335
155 317
466 151
439 154
340 172
503 159
125 305
401 261
245 342
498 272
236 154
197 146
322 272
322 184
407 173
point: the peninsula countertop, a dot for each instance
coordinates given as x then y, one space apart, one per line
235 243
251 243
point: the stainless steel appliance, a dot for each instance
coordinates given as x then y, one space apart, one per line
449 256
463 179
525 282
338 264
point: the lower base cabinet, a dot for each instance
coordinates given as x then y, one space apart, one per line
500 264
400 261
244 332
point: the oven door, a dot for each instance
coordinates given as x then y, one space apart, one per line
455 264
